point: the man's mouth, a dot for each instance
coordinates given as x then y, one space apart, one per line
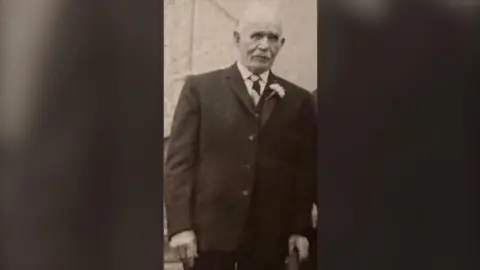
261 57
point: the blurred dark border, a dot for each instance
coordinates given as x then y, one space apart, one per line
84 189
398 138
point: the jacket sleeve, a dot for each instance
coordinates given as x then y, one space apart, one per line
305 170
182 160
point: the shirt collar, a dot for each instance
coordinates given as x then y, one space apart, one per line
246 73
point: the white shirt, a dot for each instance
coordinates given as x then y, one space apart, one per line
249 84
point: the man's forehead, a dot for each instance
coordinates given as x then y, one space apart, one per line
264 27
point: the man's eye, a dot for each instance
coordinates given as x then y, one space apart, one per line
257 36
273 38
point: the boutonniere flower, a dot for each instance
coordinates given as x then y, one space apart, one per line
277 90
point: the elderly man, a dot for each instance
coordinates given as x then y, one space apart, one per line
241 161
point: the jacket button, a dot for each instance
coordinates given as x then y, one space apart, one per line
248 166
251 137
245 193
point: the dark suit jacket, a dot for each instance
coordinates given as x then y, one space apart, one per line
83 190
224 167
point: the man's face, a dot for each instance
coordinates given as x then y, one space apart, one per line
258 44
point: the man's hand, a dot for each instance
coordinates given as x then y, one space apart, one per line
184 245
301 243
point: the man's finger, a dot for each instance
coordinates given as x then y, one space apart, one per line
291 245
189 262
187 254
302 253
181 252
192 251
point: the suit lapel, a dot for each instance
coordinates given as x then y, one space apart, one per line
237 85
270 103
235 82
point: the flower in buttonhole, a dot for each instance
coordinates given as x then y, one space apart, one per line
277 89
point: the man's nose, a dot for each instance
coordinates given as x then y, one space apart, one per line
264 44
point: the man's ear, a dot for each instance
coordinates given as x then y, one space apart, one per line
236 37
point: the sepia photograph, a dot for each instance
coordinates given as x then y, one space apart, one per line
240 134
